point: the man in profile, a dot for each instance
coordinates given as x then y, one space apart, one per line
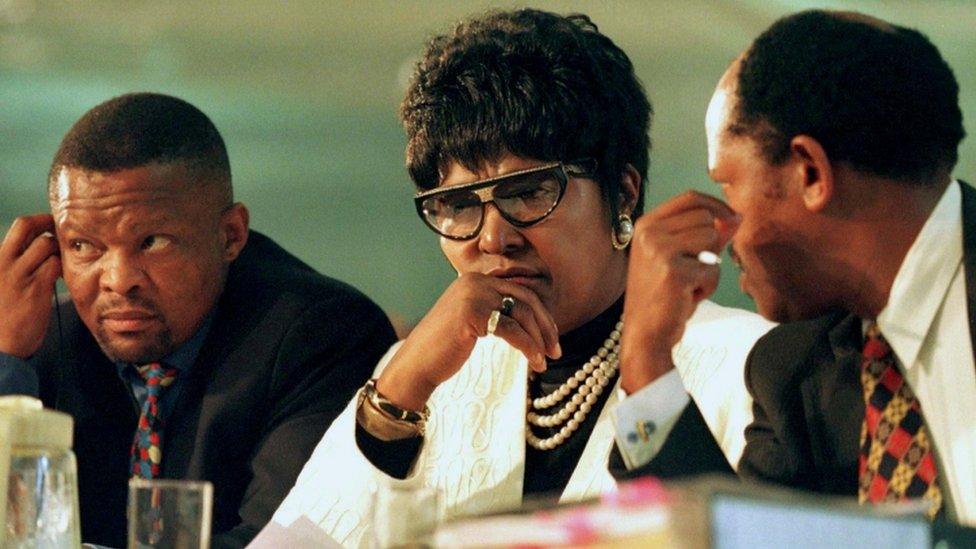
834 136
191 347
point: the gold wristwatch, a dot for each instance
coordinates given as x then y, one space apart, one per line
385 420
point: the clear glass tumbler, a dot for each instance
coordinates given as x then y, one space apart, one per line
405 516
171 514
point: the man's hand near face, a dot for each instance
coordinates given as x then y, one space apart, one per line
666 280
29 266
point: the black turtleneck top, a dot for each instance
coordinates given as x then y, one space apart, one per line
546 471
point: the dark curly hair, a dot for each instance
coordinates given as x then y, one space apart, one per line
137 129
877 96
528 83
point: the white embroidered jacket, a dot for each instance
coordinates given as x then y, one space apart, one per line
474 449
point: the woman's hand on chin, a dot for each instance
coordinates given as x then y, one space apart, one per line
442 341
666 280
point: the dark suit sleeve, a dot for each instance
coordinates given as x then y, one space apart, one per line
690 449
768 456
807 405
326 356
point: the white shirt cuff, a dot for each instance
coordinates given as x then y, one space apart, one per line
644 419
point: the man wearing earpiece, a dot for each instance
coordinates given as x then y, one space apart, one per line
190 347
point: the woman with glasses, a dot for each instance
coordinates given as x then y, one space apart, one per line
547 364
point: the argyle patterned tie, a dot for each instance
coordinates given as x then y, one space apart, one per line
896 462
147 444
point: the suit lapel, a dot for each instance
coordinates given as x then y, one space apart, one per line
180 435
846 404
969 254
236 320
834 406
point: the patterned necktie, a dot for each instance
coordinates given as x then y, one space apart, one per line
147 444
896 462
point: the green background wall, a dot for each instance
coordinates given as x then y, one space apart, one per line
306 92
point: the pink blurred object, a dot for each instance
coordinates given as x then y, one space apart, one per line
579 526
638 493
638 511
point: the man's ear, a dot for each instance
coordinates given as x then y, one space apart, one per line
234 223
813 171
630 186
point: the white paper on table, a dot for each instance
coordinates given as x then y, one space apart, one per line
301 534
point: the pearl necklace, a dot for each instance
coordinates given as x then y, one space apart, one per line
586 385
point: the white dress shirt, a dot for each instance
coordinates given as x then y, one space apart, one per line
927 325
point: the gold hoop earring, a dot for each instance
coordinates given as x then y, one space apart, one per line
622 234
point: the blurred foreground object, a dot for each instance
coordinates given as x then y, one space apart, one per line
706 512
37 477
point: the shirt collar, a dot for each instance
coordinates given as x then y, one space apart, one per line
924 277
183 357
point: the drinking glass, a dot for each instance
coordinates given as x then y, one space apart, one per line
405 516
170 514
